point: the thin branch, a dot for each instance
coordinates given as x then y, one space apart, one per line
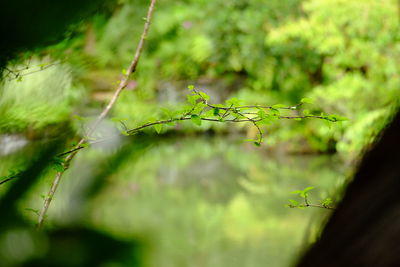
106 110
9 178
232 111
19 73
308 204
186 116
320 206
254 121
183 118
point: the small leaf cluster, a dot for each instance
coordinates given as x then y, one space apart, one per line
304 194
198 108
58 164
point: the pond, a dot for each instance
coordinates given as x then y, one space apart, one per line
194 201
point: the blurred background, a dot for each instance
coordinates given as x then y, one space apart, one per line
192 195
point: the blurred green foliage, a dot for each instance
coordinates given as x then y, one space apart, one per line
207 202
341 54
37 100
196 202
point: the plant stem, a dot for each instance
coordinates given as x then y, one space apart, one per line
103 114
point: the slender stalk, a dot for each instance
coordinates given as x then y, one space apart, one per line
9 178
103 114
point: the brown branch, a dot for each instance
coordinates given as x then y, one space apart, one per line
311 205
135 130
187 116
103 114
183 118
320 206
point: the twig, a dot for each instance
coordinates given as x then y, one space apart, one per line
228 111
19 72
254 121
320 206
106 110
184 118
308 204
9 178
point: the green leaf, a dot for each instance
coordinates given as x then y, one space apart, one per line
233 102
204 95
171 123
168 113
199 107
306 100
158 128
258 144
261 113
84 145
192 99
209 113
250 140
239 116
294 202
336 118
296 192
171 113
275 112
216 111
32 210
304 193
58 160
327 202
265 121
308 189
195 119
58 167
191 87
277 106
125 133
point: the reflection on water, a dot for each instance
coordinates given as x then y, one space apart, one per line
197 201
